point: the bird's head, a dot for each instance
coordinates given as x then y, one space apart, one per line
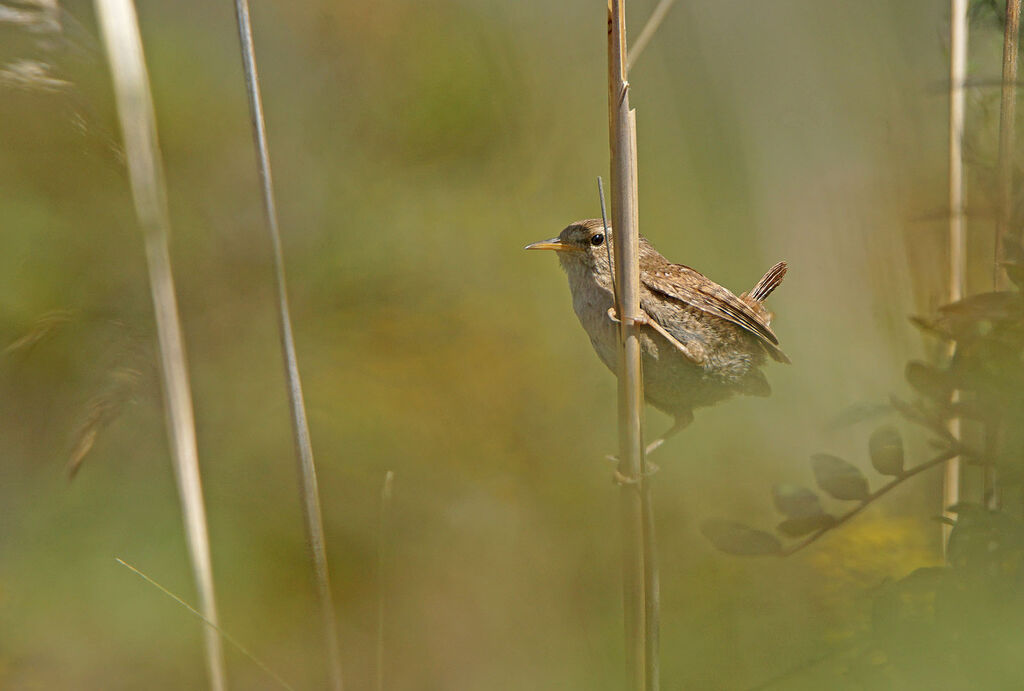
583 245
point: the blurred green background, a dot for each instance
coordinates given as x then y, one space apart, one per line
418 145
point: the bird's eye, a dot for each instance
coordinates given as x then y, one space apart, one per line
597 239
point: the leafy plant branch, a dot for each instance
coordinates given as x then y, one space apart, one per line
871 498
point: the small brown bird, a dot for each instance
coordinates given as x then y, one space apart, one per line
701 344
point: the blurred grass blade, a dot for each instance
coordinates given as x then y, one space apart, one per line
657 17
300 426
40 330
138 127
227 636
957 238
383 554
1007 137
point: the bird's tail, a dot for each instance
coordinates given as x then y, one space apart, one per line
769 282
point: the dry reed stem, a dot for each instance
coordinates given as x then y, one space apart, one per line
138 126
632 465
310 492
957 237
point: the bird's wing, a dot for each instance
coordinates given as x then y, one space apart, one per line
686 285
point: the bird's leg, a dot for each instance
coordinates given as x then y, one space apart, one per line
693 352
619 479
683 420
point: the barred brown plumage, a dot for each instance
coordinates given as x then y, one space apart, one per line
701 343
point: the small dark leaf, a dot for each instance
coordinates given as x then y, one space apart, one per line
859 412
796 502
972 409
839 478
886 447
1013 250
795 527
928 380
919 415
933 327
741 540
994 306
966 507
1016 274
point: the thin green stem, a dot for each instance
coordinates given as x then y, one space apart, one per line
310 493
870 499
383 554
224 634
647 33
1007 136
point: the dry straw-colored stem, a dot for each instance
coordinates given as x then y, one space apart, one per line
638 560
957 237
310 492
138 127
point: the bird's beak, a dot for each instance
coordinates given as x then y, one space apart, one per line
553 244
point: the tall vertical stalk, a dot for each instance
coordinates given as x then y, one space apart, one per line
957 238
310 493
641 658
142 152
1007 121
383 580
1004 227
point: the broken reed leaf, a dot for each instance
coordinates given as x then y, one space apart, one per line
740 540
32 75
43 327
886 449
798 527
796 502
101 411
928 380
838 478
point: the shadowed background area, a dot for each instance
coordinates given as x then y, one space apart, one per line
417 147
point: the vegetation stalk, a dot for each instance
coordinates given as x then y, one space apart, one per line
123 43
310 492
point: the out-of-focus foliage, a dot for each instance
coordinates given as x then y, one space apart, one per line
953 626
418 145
